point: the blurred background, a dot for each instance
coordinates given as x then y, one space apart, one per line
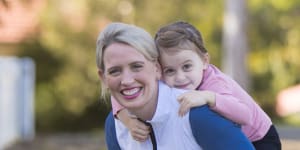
256 42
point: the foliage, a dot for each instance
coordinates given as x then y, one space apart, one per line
67 95
274 35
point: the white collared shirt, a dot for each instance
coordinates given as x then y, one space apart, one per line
171 131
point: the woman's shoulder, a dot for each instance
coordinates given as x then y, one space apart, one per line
165 89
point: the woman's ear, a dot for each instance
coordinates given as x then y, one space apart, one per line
206 60
101 75
158 70
104 88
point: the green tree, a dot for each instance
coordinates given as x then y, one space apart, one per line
67 91
274 38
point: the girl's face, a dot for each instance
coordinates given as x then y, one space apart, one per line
182 68
130 77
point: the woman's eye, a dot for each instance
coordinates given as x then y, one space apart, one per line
114 72
187 67
137 67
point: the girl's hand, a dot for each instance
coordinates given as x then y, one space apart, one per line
139 131
191 99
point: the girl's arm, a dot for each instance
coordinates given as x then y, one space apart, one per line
221 100
116 107
232 102
139 131
191 99
233 109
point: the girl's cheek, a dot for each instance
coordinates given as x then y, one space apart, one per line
168 81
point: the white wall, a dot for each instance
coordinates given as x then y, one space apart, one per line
17 80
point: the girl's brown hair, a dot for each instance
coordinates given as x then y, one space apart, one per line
177 34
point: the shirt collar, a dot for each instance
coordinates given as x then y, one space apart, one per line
163 105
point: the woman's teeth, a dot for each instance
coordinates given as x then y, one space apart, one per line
131 91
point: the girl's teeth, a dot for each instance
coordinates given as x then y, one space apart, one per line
130 92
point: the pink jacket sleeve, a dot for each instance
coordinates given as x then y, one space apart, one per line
116 107
232 102
233 109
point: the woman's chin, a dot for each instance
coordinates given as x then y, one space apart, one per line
133 104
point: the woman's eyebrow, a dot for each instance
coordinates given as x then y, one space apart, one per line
137 62
113 67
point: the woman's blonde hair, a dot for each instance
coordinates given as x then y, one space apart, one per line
132 35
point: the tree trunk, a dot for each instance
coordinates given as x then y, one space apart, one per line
235 46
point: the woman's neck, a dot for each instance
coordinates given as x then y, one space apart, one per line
148 110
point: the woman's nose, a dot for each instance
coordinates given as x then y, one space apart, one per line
127 78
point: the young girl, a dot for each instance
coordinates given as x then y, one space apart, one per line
185 65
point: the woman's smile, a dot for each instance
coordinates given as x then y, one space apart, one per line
131 93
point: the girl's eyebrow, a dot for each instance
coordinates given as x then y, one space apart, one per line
167 67
187 61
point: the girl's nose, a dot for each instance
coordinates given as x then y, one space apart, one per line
180 76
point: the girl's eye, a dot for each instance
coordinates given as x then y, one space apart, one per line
169 72
187 67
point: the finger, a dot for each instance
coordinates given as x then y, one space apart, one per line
184 107
180 97
143 139
181 109
132 116
140 132
140 138
137 124
140 135
142 126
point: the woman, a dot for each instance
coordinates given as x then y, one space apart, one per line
128 67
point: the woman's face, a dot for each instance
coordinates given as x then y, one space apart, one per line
130 77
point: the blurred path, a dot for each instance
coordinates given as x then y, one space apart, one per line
290 137
287 132
84 141
69 141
